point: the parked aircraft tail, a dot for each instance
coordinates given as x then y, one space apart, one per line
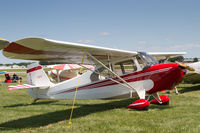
36 76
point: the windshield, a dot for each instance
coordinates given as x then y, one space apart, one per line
148 59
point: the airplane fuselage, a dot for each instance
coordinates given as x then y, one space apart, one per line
154 79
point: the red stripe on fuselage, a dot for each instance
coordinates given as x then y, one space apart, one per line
34 69
152 73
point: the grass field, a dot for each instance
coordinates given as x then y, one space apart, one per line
98 116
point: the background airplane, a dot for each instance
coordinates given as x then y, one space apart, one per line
196 66
3 43
193 76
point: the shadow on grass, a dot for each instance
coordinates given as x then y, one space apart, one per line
189 89
160 107
26 104
54 117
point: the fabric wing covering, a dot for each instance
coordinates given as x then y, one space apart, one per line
58 51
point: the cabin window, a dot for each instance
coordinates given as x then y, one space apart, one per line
141 62
117 68
125 67
100 74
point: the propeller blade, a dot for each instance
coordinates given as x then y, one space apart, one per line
190 68
183 65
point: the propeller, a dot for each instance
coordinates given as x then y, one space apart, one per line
183 65
3 43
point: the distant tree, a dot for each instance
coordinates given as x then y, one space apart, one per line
24 63
19 64
43 63
179 59
49 63
195 59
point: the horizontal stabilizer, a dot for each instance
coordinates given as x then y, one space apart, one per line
24 86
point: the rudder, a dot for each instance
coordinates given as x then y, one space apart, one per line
36 75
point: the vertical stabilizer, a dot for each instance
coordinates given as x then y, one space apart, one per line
36 76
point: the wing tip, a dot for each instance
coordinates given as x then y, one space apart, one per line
3 43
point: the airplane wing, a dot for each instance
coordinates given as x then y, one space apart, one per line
166 55
3 43
24 86
51 50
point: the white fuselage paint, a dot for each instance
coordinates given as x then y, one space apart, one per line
97 91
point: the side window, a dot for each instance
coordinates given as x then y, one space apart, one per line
141 62
118 70
129 66
125 67
103 74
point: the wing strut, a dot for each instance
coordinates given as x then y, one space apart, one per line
127 84
103 75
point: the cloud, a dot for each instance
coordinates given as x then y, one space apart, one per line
186 46
85 41
141 42
104 33
166 39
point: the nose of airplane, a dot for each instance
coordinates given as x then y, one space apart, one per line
170 74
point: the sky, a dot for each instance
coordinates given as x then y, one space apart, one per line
135 25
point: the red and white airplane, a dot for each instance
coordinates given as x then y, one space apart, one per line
118 73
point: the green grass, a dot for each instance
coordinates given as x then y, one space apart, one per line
98 116
14 70
192 78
